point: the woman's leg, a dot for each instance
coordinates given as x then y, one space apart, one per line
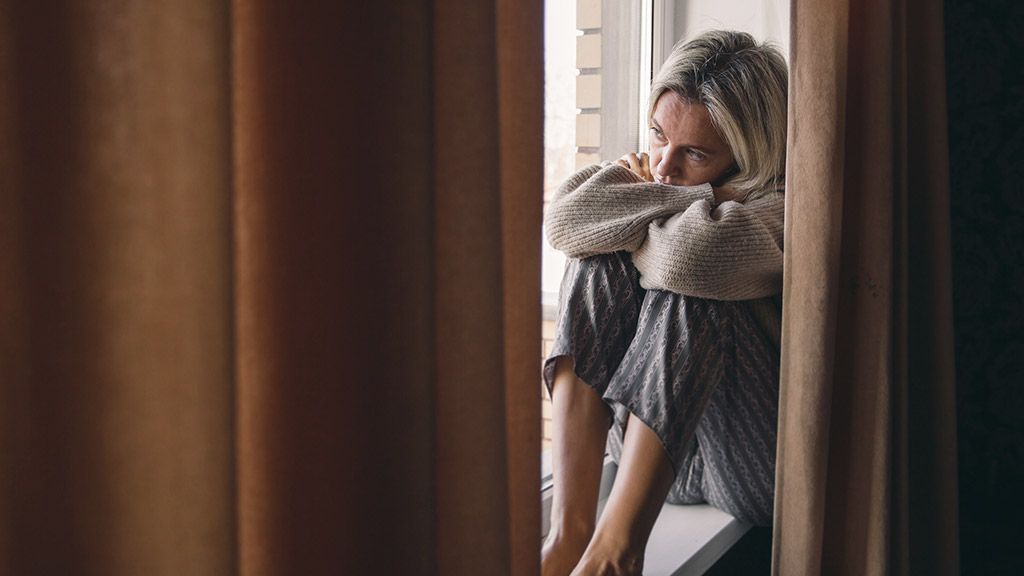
580 421
659 392
600 300
738 431
644 478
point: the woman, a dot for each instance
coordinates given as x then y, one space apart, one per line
667 340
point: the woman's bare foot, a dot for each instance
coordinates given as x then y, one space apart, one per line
560 554
597 561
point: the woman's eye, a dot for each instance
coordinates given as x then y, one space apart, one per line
657 133
695 155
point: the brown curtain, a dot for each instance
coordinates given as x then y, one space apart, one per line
866 480
268 287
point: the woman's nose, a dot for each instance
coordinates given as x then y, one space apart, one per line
669 166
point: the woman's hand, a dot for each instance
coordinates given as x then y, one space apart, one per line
727 192
638 163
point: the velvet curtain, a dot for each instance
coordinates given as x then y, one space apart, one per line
268 287
866 480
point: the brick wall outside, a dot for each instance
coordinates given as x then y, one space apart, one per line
588 83
547 337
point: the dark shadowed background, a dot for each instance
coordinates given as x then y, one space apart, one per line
985 79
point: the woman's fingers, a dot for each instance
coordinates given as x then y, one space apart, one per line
644 161
631 161
638 163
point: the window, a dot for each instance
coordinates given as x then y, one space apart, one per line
597 73
599 60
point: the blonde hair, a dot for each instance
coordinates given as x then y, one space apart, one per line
744 87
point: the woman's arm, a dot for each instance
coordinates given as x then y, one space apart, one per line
729 252
603 209
681 241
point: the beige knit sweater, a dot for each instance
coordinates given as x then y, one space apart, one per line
680 240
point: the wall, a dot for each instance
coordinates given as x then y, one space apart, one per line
765 20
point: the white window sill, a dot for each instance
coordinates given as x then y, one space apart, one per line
686 540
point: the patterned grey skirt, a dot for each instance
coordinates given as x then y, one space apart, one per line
702 374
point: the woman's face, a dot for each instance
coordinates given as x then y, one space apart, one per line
686 150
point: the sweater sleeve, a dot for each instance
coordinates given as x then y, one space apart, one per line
729 252
606 209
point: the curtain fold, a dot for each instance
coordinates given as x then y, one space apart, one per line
374 289
334 289
116 379
866 482
521 122
269 299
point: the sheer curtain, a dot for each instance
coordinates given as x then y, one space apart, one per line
268 287
866 481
